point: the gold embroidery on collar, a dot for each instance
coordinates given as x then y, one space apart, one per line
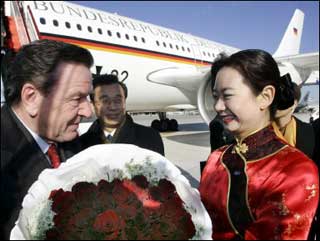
313 192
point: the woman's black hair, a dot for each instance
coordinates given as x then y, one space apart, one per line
259 70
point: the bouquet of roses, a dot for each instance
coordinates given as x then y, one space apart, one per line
113 192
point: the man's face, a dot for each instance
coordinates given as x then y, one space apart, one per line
110 104
62 109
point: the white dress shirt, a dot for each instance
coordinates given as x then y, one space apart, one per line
107 133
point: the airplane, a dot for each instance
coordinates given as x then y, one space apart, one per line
303 103
308 107
164 70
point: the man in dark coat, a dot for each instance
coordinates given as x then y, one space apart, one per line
46 96
296 132
114 125
129 133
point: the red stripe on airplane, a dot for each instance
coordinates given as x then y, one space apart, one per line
122 49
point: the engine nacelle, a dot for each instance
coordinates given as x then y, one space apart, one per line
205 100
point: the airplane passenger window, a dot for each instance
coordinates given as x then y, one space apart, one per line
143 40
164 44
135 38
170 45
89 29
127 36
99 31
119 35
204 53
68 25
182 48
188 49
42 20
158 43
79 27
209 54
55 23
109 33
177 47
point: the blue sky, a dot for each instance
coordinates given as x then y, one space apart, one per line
245 24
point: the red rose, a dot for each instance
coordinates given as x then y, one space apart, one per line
52 234
166 186
81 218
108 222
173 209
62 200
83 189
128 210
164 191
120 193
141 181
104 186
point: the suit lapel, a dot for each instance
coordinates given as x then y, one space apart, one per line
20 142
125 133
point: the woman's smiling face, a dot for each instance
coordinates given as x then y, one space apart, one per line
236 103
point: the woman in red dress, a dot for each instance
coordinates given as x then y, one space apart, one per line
259 187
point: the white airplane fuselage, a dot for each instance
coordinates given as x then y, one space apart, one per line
163 69
140 49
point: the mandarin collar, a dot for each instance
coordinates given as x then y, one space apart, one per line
257 145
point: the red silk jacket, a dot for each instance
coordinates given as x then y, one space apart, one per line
260 188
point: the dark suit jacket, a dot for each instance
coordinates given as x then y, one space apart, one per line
315 230
129 133
21 163
219 136
305 139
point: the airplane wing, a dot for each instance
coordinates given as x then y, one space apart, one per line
193 82
307 61
187 78
300 66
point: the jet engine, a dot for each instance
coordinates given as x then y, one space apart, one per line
205 101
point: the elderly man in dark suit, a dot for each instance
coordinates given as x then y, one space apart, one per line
46 97
114 125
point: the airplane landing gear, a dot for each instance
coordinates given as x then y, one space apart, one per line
164 124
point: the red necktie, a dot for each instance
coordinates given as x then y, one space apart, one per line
53 155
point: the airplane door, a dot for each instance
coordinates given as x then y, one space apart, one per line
196 54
